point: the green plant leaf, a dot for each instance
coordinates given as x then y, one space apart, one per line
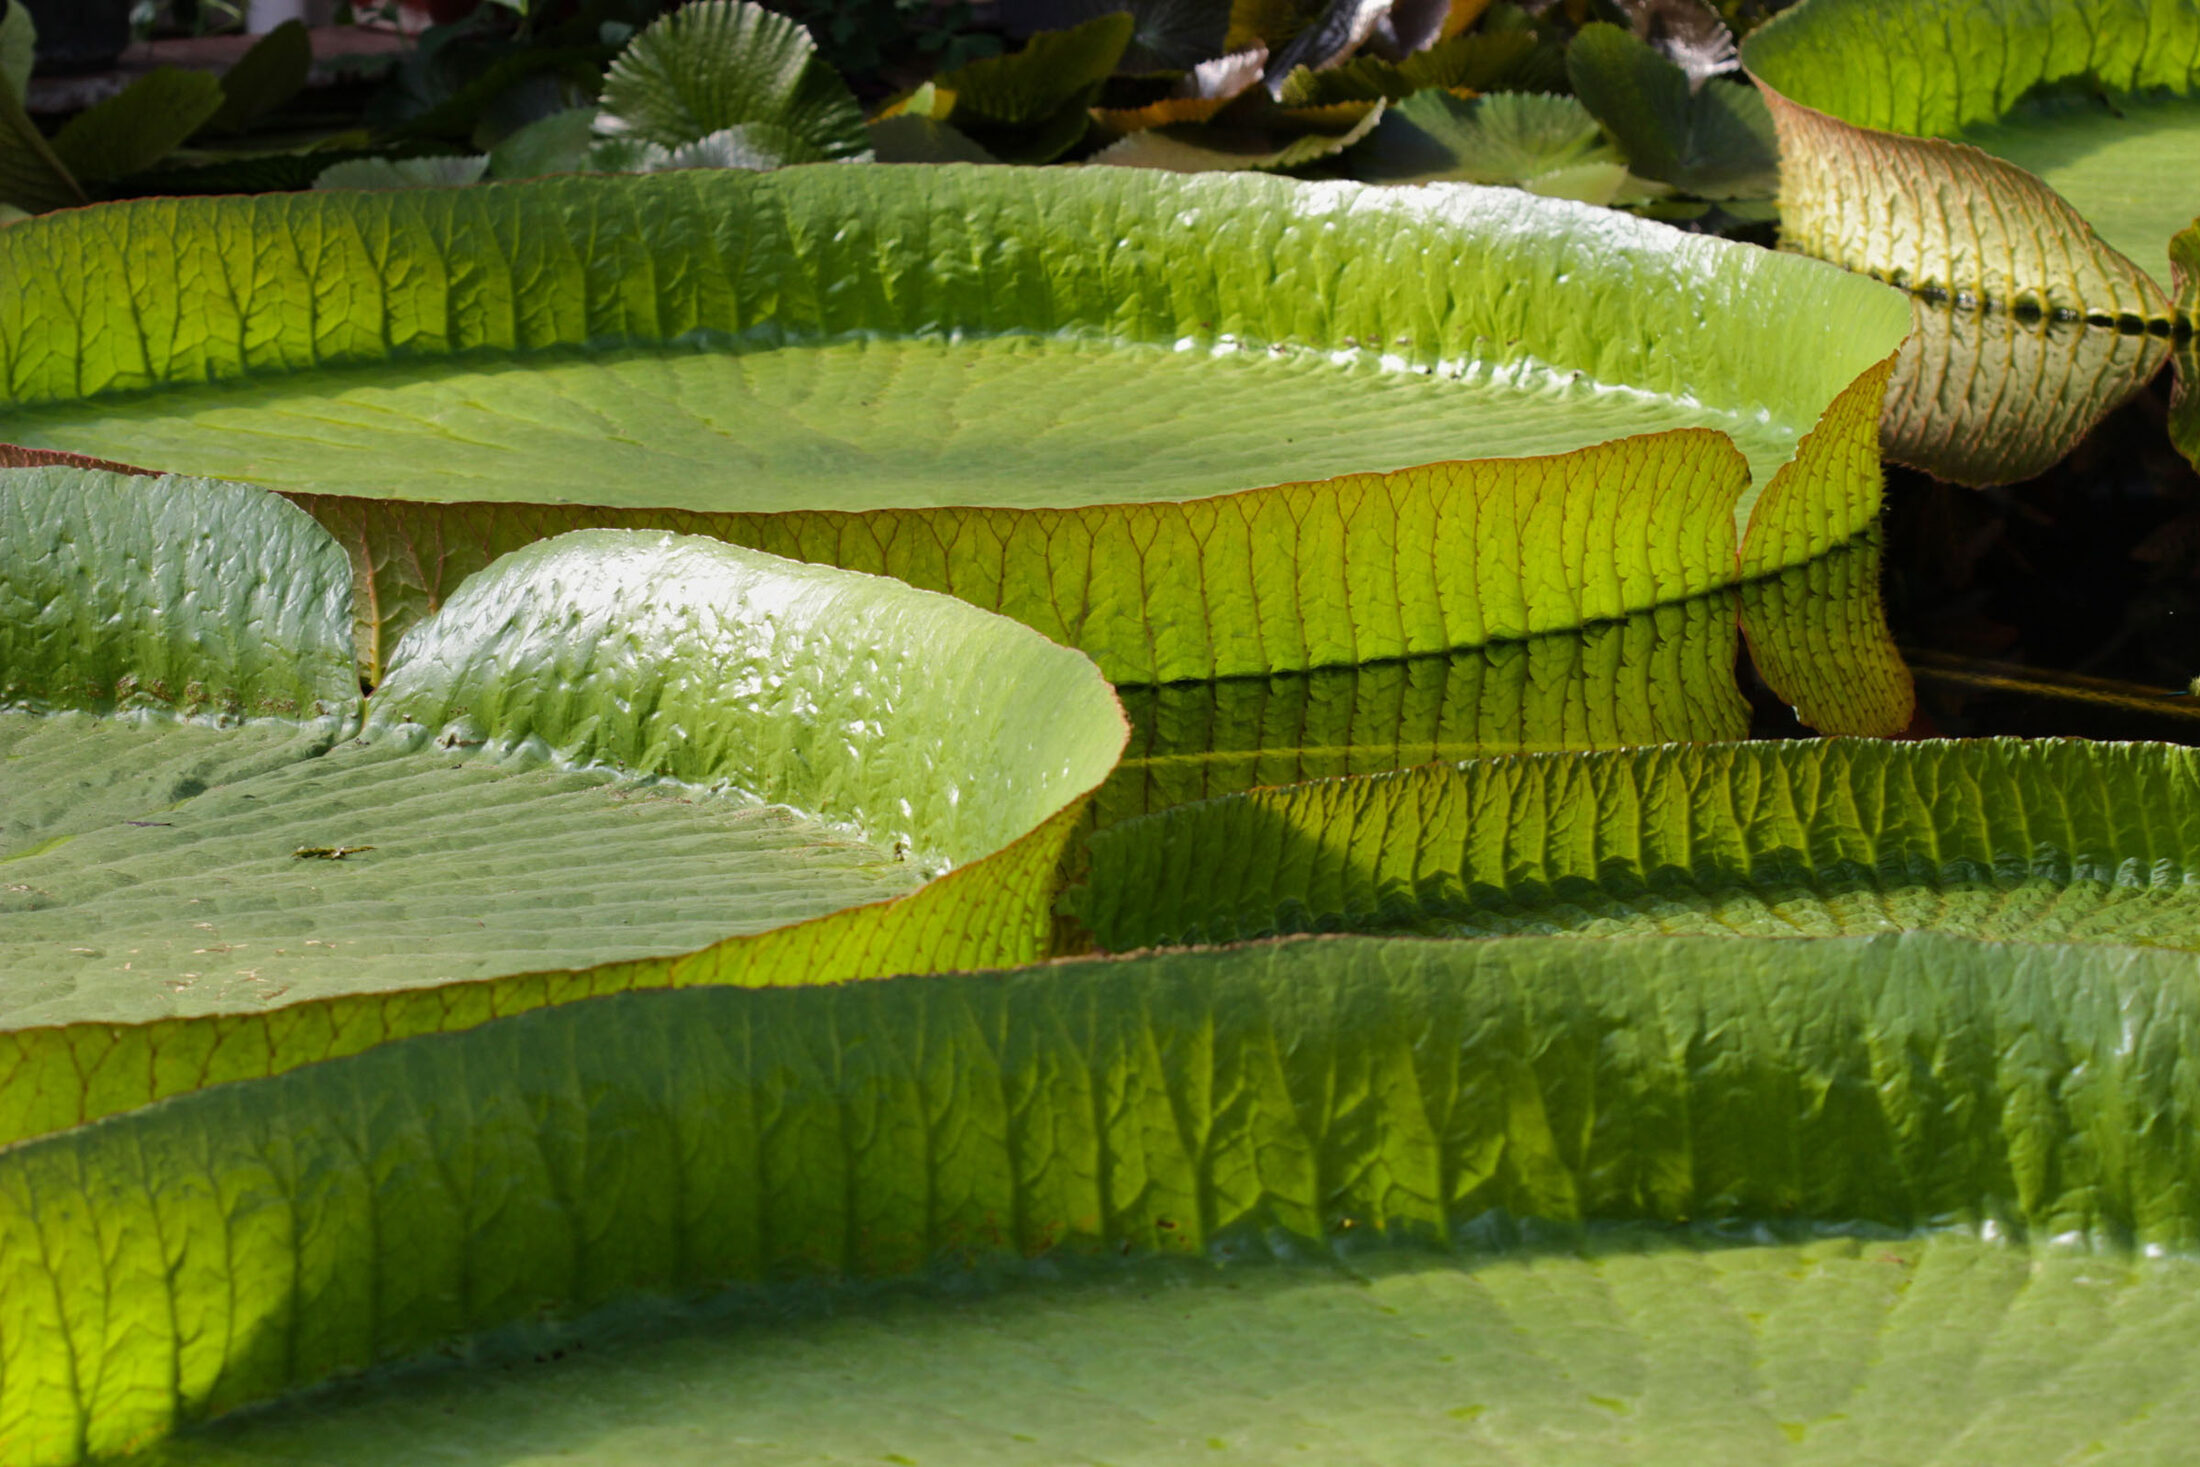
384 173
1031 107
558 143
1479 61
1079 427
1507 138
1599 1132
722 63
1029 87
2028 165
2094 97
121 596
144 123
1714 141
1166 35
31 177
607 748
18 51
2050 841
1217 148
909 138
264 78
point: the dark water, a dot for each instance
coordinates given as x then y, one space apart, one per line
2065 605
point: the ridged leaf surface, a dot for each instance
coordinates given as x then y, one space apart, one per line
959 364
611 747
2048 841
1260 1103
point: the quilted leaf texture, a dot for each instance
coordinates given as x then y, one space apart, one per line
1790 1101
613 758
2023 168
1088 383
2047 841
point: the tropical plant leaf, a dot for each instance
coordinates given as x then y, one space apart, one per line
1166 35
909 138
1295 576
1479 62
758 348
2026 168
264 78
1553 1112
1330 39
1218 148
192 600
144 123
1508 138
1879 108
385 173
1712 141
2050 841
18 51
721 63
608 748
1202 92
558 143
1031 86
32 179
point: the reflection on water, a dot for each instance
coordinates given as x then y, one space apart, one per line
1818 636
1667 675
1988 397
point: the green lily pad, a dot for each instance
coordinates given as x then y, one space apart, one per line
1697 1197
757 348
2055 841
1506 138
609 747
1710 139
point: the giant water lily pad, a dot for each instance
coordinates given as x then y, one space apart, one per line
1027 389
1699 1199
609 748
2054 841
2022 167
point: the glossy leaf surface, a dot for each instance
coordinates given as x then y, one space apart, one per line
608 747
